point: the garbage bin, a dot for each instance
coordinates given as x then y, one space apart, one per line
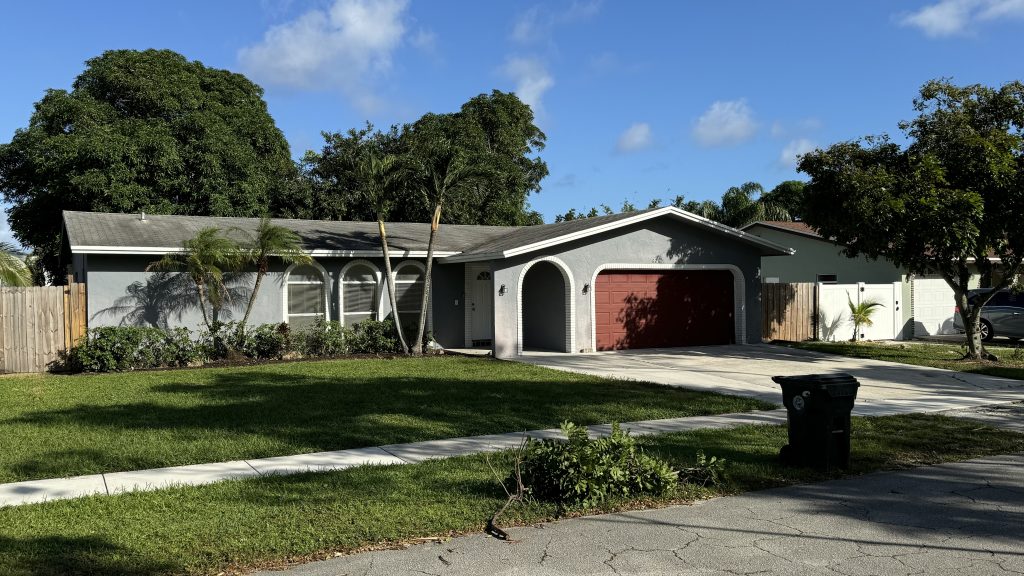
818 410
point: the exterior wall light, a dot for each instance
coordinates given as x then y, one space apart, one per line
501 291
586 288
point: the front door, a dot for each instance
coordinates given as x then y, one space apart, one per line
481 307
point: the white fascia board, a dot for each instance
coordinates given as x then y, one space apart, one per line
154 250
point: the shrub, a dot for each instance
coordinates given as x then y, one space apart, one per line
584 472
121 348
265 342
322 338
375 337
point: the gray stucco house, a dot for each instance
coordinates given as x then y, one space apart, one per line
657 278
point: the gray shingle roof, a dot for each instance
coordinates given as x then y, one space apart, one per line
123 231
92 232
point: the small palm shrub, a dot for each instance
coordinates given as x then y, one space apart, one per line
581 472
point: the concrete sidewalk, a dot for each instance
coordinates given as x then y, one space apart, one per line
952 519
33 491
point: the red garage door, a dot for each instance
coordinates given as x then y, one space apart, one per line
639 309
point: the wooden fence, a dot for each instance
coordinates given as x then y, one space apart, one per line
788 311
38 323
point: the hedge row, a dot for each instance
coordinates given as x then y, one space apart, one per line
121 348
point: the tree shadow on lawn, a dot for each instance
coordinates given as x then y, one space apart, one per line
73 556
248 414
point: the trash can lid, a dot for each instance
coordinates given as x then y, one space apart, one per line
838 378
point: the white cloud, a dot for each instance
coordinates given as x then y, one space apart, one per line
792 151
537 23
636 137
424 39
725 123
345 45
531 78
955 17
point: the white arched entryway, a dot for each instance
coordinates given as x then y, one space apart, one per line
546 309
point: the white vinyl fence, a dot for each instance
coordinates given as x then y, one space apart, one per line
934 307
834 311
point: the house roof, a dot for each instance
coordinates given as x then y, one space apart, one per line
105 233
531 238
786 226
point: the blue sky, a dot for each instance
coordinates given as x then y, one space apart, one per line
638 100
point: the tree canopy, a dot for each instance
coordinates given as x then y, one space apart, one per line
740 205
496 134
952 198
142 131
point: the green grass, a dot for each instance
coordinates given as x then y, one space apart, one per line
1010 364
267 521
55 426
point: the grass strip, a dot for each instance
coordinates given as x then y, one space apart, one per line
936 355
57 426
245 524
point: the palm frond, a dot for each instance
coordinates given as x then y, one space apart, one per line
13 270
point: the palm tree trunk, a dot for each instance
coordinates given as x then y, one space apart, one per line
260 272
417 347
391 284
201 288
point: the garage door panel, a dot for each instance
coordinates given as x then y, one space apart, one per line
663 309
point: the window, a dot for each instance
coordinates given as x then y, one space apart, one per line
305 296
359 290
409 295
827 278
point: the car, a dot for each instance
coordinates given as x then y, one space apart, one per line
1003 315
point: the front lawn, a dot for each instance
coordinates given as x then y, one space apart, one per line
261 522
54 426
1010 364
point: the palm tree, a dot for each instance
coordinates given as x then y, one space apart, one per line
13 271
270 240
738 208
443 168
380 175
206 257
860 313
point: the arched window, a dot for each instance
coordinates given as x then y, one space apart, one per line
305 295
409 277
359 292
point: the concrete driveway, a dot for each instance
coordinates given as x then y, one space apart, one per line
886 387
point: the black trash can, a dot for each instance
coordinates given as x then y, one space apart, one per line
818 410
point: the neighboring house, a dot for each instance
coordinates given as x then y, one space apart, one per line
818 259
657 278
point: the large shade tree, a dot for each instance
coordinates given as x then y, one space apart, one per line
494 132
142 131
952 198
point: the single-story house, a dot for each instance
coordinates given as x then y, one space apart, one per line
657 278
819 259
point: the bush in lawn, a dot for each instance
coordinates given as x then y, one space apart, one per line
265 342
322 338
121 348
584 472
374 337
